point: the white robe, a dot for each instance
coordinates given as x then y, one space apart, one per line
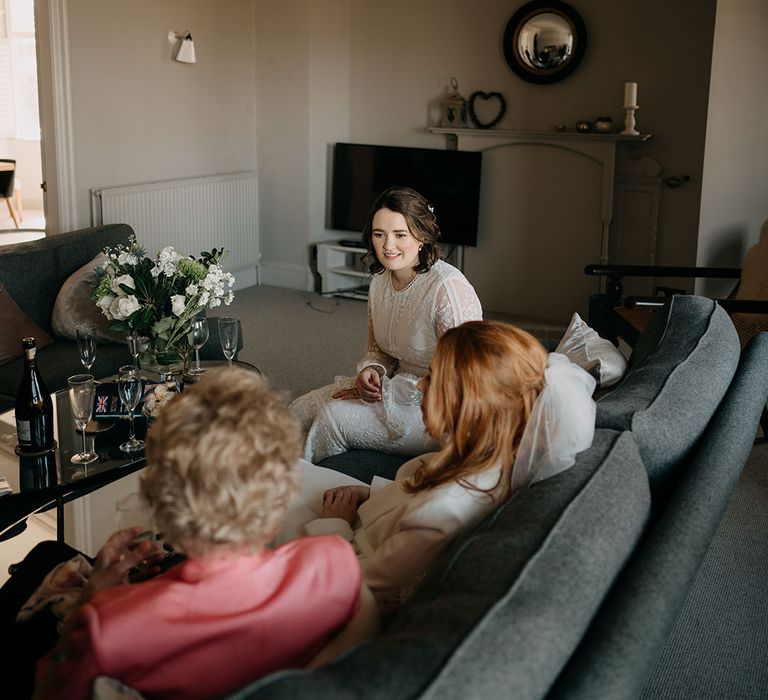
403 329
398 535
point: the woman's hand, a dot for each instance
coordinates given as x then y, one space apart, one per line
360 493
369 384
367 387
340 503
121 553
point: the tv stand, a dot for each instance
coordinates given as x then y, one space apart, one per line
341 271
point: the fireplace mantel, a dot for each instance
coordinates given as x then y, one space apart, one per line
594 146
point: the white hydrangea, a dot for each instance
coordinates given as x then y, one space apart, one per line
126 258
191 290
167 262
204 298
228 299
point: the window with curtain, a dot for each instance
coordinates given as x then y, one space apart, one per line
19 114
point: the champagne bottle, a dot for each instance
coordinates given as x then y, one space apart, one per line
34 408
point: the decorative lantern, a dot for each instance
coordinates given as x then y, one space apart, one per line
453 108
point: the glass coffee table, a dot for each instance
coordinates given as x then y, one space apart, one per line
42 483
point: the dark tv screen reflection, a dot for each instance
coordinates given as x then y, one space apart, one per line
449 180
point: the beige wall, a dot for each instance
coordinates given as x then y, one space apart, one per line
138 115
302 74
384 68
734 201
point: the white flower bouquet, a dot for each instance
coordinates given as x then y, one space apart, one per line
158 298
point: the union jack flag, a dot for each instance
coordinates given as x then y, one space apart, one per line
101 404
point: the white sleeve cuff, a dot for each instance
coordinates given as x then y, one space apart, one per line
330 526
378 483
378 366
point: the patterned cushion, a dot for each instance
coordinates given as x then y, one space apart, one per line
585 348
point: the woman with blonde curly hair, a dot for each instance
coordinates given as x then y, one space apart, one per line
504 413
221 472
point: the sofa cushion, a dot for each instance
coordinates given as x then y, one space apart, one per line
623 643
34 272
679 371
365 464
16 325
74 305
509 603
598 356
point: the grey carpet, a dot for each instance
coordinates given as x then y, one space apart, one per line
299 340
719 648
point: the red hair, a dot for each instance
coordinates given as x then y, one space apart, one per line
485 377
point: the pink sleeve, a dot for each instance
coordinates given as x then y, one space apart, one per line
71 675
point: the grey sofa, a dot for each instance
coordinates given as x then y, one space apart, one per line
33 274
572 587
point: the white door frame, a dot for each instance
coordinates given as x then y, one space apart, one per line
52 21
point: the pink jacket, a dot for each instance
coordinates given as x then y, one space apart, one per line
213 624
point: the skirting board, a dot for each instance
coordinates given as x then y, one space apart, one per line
246 277
286 275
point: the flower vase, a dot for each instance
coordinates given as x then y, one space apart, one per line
168 362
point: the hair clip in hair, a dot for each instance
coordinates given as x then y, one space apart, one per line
431 209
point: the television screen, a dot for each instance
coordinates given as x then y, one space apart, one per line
449 180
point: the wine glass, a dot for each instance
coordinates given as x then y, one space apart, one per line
134 347
228 336
129 389
82 389
86 343
198 336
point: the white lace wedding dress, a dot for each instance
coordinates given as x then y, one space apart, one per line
403 328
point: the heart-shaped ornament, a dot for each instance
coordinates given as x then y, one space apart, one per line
487 109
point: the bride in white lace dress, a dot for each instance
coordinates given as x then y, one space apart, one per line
414 297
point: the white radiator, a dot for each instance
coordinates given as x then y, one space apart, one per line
218 211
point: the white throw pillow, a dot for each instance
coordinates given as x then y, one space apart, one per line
598 356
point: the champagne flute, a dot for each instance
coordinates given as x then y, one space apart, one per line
198 336
228 336
86 344
134 346
129 389
82 390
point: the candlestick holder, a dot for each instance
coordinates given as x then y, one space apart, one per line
629 121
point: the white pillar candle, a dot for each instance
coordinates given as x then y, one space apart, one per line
630 94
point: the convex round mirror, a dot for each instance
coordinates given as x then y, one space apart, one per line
544 41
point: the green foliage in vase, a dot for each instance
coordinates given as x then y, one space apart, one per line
159 297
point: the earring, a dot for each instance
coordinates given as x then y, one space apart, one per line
421 246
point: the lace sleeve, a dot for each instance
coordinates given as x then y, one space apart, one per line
455 303
375 356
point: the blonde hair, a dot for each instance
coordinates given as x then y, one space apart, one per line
221 464
485 377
